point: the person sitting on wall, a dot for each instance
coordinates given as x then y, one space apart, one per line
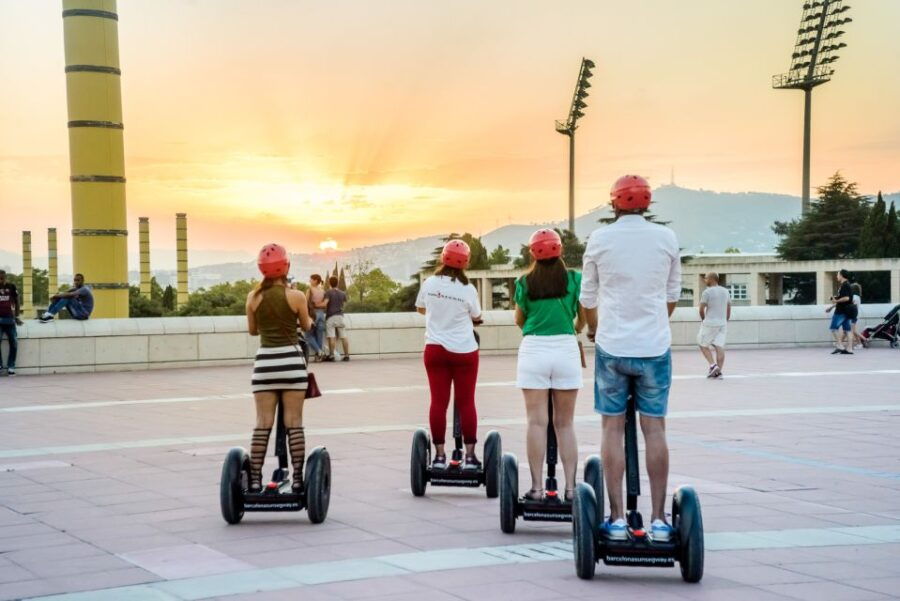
78 301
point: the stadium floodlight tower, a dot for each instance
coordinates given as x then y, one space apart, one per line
812 62
568 127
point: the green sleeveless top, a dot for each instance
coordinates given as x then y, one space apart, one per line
275 320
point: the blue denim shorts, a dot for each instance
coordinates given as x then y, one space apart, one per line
652 378
840 321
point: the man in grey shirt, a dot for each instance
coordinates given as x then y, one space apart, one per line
715 311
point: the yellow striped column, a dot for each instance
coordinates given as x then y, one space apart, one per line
96 155
144 240
27 276
52 263
182 256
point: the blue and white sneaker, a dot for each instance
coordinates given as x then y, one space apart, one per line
661 531
617 530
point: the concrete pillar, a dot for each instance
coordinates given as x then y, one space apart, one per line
182 256
699 287
895 286
52 263
756 288
487 294
27 291
776 288
144 240
824 287
511 286
96 155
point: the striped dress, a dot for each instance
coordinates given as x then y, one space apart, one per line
279 364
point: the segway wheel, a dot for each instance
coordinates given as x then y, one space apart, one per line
584 531
317 485
418 462
509 492
593 476
688 523
493 450
231 486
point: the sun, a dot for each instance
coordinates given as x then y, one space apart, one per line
328 244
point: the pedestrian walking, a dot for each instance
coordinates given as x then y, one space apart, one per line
715 311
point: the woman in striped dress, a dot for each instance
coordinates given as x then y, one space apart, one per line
279 371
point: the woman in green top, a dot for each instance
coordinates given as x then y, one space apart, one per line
279 371
548 311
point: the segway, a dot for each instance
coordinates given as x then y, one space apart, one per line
277 495
421 472
551 508
639 549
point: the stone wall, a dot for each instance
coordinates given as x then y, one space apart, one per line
152 343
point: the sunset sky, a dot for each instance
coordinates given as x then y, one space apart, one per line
367 122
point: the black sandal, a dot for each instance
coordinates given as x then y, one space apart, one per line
569 495
535 494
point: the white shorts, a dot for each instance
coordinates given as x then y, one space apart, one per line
334 327
547 362
711 336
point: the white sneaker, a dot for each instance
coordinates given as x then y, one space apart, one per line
617 530
661 531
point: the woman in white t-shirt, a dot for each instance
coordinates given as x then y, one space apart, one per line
450 306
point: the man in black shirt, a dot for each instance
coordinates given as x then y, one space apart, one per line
9 317
844 313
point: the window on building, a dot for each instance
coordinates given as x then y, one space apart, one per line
738 292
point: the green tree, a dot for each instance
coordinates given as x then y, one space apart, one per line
404 298
139 306
168 298
831 228
892 234
222 299
573 248
732 250
499 256
873 232
40 283
374 288
156 291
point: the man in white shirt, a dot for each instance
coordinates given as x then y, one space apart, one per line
630 284
715 311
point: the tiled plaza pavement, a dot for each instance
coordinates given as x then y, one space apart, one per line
795 456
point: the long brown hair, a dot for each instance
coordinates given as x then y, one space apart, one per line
267 283
454 273
547 278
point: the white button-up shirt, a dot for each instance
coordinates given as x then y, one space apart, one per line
631 269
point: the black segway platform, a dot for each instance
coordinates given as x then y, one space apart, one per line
277 495
685 545
421 472
552 507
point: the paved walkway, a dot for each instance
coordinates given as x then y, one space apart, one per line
109 488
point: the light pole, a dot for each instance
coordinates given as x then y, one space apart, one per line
814 53
568 127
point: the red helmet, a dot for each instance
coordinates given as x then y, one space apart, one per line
456 254
273 261
545 244
630 192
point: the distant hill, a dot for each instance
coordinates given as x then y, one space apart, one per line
705 221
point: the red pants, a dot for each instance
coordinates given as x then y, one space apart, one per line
461 370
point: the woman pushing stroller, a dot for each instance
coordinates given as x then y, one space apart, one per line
550 360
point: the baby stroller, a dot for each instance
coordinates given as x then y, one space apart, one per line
886 330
